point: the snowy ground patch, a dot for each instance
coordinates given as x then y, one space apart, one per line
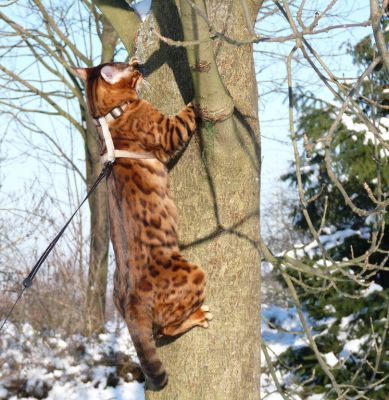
37 365
281 330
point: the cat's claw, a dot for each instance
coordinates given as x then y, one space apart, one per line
207 316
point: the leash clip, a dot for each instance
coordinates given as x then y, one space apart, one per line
27 282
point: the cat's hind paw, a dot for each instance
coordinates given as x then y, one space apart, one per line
207 316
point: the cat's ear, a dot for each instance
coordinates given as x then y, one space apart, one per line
82 73
111 74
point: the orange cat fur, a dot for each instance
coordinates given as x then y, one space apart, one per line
154 286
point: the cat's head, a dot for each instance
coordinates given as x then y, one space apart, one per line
109 85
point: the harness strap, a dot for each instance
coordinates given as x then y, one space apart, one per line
108 159
115 113
128 154
102 123
110 155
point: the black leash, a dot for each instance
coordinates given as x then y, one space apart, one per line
30 278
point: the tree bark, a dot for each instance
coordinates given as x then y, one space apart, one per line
99 222
216 187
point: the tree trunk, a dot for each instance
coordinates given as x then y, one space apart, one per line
99 238
216 187
99 223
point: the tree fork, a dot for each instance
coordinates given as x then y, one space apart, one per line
123 18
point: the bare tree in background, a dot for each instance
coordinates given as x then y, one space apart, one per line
203 49
223 239
55 38
298 273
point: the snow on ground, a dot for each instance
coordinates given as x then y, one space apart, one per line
41 365
373 287
47 365
353 346
52 366
281 329
331 359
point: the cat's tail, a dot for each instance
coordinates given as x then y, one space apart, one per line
140 329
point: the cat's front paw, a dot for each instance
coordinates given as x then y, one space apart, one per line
193 108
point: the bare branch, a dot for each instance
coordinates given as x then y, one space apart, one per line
375 16
45 97
53 25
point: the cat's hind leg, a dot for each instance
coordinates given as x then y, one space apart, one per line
199 318
179 296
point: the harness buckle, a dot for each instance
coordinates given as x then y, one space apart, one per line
116 112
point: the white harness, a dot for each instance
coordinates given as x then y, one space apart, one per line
112 153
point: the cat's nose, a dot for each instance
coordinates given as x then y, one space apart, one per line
134 62
139 67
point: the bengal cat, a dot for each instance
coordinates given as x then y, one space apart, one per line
155 288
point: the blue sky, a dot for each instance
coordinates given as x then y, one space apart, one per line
276 145
19 169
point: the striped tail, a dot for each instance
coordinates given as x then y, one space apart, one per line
142 338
